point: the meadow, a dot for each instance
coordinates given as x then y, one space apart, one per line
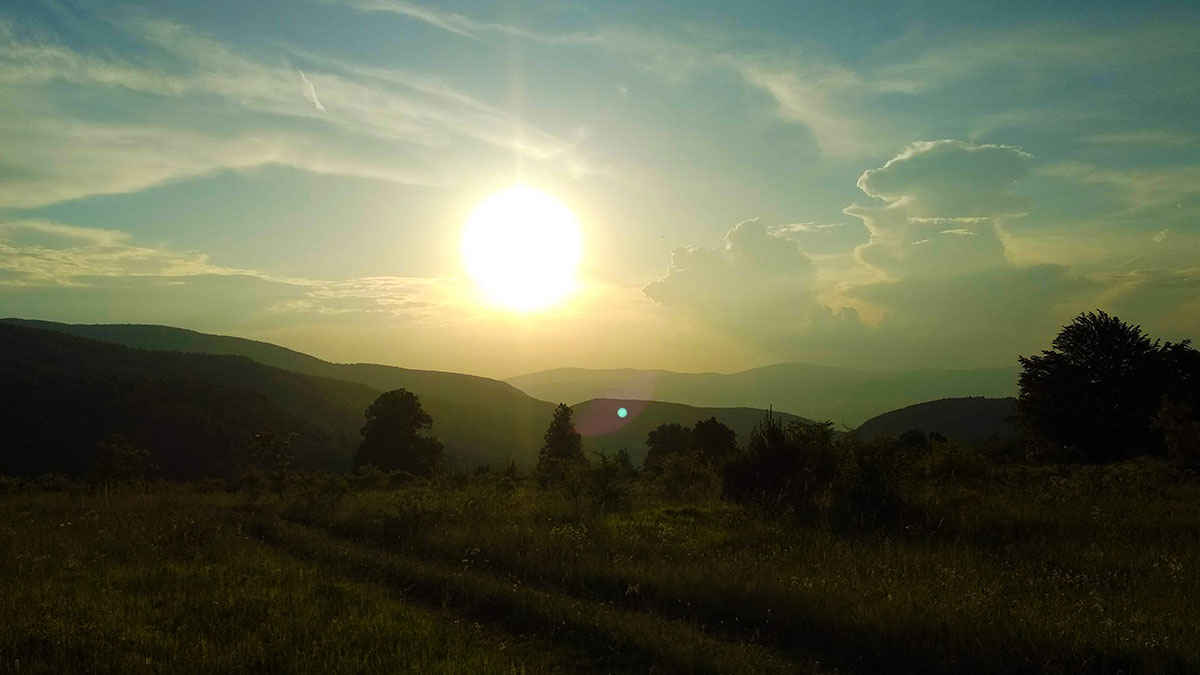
1024 568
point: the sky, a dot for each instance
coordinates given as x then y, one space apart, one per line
874 185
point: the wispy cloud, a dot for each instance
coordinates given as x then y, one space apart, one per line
59 153
1141 188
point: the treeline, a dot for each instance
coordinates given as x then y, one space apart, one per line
1104 391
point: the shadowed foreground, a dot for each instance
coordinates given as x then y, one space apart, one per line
1080 569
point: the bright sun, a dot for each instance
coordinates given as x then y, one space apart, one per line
522 247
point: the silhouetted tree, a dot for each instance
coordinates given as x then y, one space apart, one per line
272 453
1095 393
562 449
713 441
624 462
118 461
392 438
666 440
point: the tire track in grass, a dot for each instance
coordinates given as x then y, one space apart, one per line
605 637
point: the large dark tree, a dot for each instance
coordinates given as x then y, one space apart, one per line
664 441
1095 393
562 448
392 438
713 441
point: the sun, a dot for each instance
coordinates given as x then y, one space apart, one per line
522 247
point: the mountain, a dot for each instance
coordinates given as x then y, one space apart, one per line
972 419
60 396
844 395
604 429
480 420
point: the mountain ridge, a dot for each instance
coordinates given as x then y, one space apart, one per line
844 395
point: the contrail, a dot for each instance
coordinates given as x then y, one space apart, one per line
310 92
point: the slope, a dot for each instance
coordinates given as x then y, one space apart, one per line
60 396
973 419
483 421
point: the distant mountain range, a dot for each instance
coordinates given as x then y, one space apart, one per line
843 395
972 419
68 386
65 387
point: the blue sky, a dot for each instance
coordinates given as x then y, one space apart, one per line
879 185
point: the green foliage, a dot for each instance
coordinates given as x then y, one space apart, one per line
709 442
608 484
562 449
804 470
681 478
1094 394
664 441
392 438
714 442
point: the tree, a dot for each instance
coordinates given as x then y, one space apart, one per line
392 438
272 453
562 448
666 440
713 441
118 461
1095 393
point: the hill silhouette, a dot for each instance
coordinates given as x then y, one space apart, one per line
480 420
603 429
61 395
973 419
843 395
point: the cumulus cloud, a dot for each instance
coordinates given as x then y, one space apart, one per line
759 284
944 202
951 179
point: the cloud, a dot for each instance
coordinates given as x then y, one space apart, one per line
1143 137
387 124
759 285
1141 188
789 228
808 97
38 253
451 22
951 179
944 202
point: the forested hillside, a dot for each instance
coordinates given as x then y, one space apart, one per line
481 420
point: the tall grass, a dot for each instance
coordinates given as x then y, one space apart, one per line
1011 570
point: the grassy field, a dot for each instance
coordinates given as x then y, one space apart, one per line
1040 569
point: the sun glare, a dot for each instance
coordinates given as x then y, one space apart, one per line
522 247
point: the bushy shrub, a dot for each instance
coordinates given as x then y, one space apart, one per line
684 479
315 494
806 470
608 485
